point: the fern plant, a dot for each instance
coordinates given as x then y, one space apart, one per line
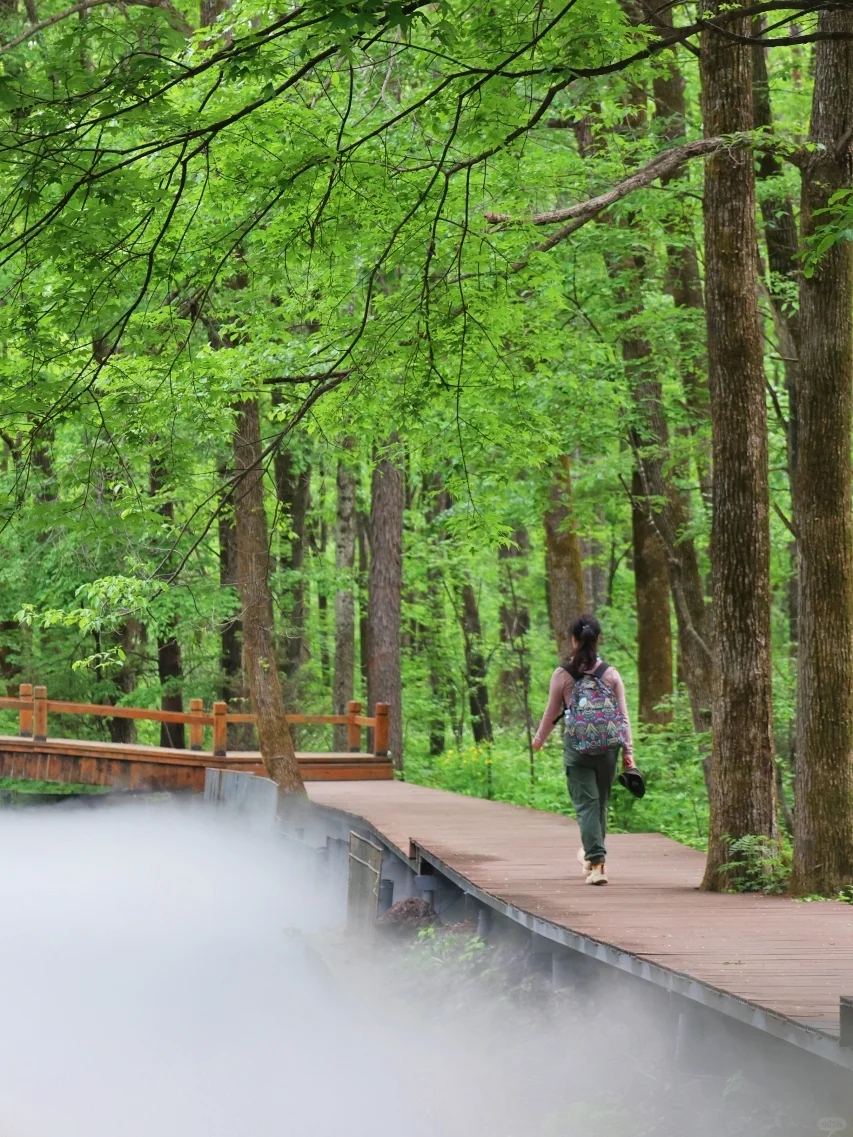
758 864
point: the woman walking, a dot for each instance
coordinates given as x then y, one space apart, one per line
591 695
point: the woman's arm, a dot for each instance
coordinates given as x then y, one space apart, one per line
619 690
558 697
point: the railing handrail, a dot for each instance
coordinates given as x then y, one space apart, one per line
34 706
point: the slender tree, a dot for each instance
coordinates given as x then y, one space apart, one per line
475 666
385 683
253 565
654 635
345 539
823 849
170 669
742 769
563 564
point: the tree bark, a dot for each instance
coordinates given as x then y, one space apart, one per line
345 538
742 799
475 667
384 676
253 565
823 848
654 635
564 567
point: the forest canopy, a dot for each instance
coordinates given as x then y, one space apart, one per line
352 349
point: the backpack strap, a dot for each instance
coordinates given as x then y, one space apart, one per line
600 670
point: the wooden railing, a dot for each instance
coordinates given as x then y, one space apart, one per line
33 707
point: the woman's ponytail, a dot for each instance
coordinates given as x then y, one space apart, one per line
586 630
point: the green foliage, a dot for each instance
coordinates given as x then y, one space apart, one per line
758 864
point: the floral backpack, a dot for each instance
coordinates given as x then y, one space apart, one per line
594 723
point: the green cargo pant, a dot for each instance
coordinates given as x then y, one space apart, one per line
591 778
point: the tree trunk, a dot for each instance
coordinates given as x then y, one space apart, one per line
362 528
654 637
564 568
823 849
292 485
475 667
683 281
232 683
780 235
743 799
440 681
253 565
169 666
513 679
345 538
384 677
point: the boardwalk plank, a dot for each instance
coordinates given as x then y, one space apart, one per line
791 958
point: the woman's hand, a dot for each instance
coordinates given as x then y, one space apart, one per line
537 745
628 762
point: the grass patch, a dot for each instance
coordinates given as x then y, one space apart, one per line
42 789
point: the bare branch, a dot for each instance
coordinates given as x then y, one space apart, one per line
660 166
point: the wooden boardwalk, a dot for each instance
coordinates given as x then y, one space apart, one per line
791 961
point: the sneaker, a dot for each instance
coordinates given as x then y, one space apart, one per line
583 862
597 875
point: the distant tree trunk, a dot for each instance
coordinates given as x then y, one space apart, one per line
345 538
654 636
292 485
564 568
253 565
475 666
780 235
513 680
232 685
823 849
683 281
385 684
169 664
130 635
743 798
439 500
362 528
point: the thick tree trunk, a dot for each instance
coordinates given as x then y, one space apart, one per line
475 667
345 537
823 848
564 567
743 798
654 636
385 684
292 484
253 565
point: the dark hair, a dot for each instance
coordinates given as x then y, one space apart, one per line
586 630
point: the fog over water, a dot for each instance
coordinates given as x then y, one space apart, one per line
164 973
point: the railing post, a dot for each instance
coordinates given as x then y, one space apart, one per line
353 729
380 732
196 728
40 713
25 714
220 730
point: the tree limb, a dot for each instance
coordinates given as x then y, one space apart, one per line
660 166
